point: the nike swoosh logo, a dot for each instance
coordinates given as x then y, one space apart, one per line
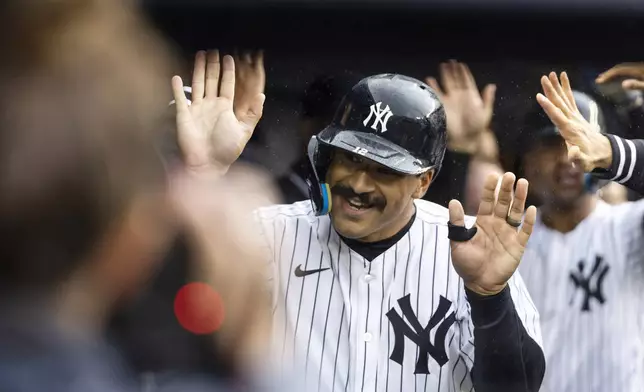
300 273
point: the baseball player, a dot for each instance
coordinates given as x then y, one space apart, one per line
375 289
583 264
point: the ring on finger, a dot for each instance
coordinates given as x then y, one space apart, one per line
513 222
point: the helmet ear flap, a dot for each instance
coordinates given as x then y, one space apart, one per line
319 191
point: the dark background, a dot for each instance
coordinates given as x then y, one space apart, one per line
510 43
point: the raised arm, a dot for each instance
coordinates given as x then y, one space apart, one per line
471 146
604 155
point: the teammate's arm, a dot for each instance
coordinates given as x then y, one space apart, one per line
471 145
605 156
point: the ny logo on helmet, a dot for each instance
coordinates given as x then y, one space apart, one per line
380 116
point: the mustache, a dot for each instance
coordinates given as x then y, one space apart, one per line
365 198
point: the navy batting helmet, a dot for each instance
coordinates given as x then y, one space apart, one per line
393 120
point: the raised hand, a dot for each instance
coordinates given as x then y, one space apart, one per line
210 134
632 72
488 260
586 145
468 112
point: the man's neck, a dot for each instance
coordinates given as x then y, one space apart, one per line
565 220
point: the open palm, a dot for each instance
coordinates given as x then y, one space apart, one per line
488 260
209 132
586 145
468 112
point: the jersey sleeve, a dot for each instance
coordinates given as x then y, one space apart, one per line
463 356
627 165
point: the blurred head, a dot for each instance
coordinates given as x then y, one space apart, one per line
371 201
543 158
82 190
554 181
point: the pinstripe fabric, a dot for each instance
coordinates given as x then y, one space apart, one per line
336 322
601 349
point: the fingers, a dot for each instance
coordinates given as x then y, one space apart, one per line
466 76
518 203
181 102
568 91
632 84
259 60
489 93
527 226
212 73
552 111
448 76
633 70
456 213
433 83
554 92
504 199
199 76
254 113
227 89
488 196
553 96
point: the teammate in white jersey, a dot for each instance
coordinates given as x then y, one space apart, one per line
583 265
374 296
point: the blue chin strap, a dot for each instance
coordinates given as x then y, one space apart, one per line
319 192
589 184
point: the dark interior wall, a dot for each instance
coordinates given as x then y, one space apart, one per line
508 43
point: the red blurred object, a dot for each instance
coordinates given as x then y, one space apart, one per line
199 308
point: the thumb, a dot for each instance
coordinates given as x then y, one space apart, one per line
575 155
254 112
489 93
633 84
456 213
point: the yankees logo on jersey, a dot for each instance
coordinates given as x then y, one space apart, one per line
588 286
400 322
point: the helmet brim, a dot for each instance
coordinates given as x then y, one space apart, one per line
374 148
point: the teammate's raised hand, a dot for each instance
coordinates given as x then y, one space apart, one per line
586 145
210 134
488 259
633 74
468 112
250 80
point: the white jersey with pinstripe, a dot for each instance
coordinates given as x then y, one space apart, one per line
588 285
334 325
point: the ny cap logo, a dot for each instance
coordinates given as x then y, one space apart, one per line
590 285
419 335
380 116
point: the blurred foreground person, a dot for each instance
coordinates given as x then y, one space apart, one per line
85 211
583 264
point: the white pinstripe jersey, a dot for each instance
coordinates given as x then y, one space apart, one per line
590 346
335 325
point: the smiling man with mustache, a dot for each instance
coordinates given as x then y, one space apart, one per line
374 289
